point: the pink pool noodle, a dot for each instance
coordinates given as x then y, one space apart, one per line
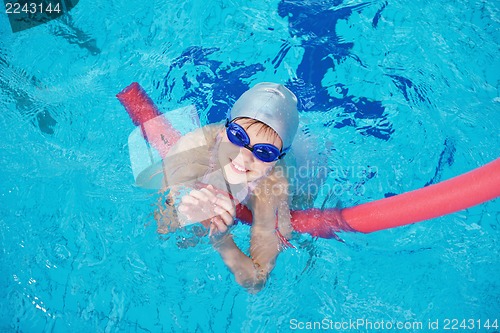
461 192
143 112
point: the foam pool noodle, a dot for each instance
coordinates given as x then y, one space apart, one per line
461 192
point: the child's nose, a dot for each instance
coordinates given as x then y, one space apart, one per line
247 155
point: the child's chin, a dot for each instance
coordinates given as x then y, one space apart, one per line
233 177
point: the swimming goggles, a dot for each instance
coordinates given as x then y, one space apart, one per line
265 152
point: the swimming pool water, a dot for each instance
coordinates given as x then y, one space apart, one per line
394 96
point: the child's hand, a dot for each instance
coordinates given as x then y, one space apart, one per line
226 212
208 205
198 205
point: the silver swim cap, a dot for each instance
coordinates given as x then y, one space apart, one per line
274 105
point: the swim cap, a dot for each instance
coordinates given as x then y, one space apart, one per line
274 105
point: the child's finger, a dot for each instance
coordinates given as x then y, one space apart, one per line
221 226
208 194
200 195
225 216
204 195
186 209
226 203
189 200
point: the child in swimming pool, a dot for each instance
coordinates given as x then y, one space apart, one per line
210 170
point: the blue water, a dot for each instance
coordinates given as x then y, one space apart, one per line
408 89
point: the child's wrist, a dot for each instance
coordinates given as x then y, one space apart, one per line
219 240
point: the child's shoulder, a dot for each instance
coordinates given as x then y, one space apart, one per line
201 137
211 131
271 188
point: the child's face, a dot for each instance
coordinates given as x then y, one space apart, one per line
239 163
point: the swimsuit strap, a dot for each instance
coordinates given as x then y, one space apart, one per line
284 242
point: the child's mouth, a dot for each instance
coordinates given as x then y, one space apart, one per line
238 168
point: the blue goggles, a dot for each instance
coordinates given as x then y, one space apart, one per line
265 152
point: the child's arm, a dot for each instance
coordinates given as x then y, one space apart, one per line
188 159
252 272
186 162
